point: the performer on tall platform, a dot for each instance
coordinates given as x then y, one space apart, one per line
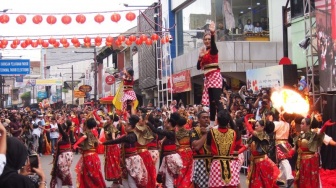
128 82
213 81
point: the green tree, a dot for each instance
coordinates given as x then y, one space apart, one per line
26 98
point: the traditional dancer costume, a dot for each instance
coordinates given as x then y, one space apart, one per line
212 79
184 180
171 163
112 166
134 170
129 94
60 173
88 167
262 172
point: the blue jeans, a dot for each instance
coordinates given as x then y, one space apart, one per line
53 143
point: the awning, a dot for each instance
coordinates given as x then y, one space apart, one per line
106 100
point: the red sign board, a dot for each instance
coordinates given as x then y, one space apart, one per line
181 82
85 88
109 80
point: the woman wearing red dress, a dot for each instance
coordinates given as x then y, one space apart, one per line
184 180
263 172
213 81
112 155
308 162
88 168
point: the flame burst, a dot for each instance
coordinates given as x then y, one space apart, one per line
290 101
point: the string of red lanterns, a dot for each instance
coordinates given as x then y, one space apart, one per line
66 19
87 41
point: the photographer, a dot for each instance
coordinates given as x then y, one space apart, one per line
16 160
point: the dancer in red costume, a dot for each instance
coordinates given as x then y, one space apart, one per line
183 149
222 144
88 167
136 173
262 170
144 137
308 163
112 155
172 164
213 81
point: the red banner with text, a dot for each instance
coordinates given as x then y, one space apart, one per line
180 82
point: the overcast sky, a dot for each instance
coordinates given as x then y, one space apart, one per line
63 6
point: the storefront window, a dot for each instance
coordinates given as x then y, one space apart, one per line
236 20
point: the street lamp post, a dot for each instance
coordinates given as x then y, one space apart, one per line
72 82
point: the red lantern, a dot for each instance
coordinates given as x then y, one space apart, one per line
4 42
63 41
155 36
163 40
66 19
138 41
45 44
115 17
149 42
118 42
87 39
98 39
21 19
40 41
121 38
108 43
13 46
98 43
56 44
28 41
132 38
66 45
80 19
99 18
51 19
109 39
87 44
130 16
23 45
3 46
74 40
34 44
143 37
76 45
52 41
128 42
4 18
37 19
16 42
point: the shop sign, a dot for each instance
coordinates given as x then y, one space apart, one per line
85 88
180 82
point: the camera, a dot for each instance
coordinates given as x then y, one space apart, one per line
33 160
170 39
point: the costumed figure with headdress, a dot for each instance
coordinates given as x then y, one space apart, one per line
112 155
128 82
134 169
88 168
61 170
213 82
172 163
263 172
308 162
144 137
184 180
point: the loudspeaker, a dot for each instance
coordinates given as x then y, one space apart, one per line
329 111
305 43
